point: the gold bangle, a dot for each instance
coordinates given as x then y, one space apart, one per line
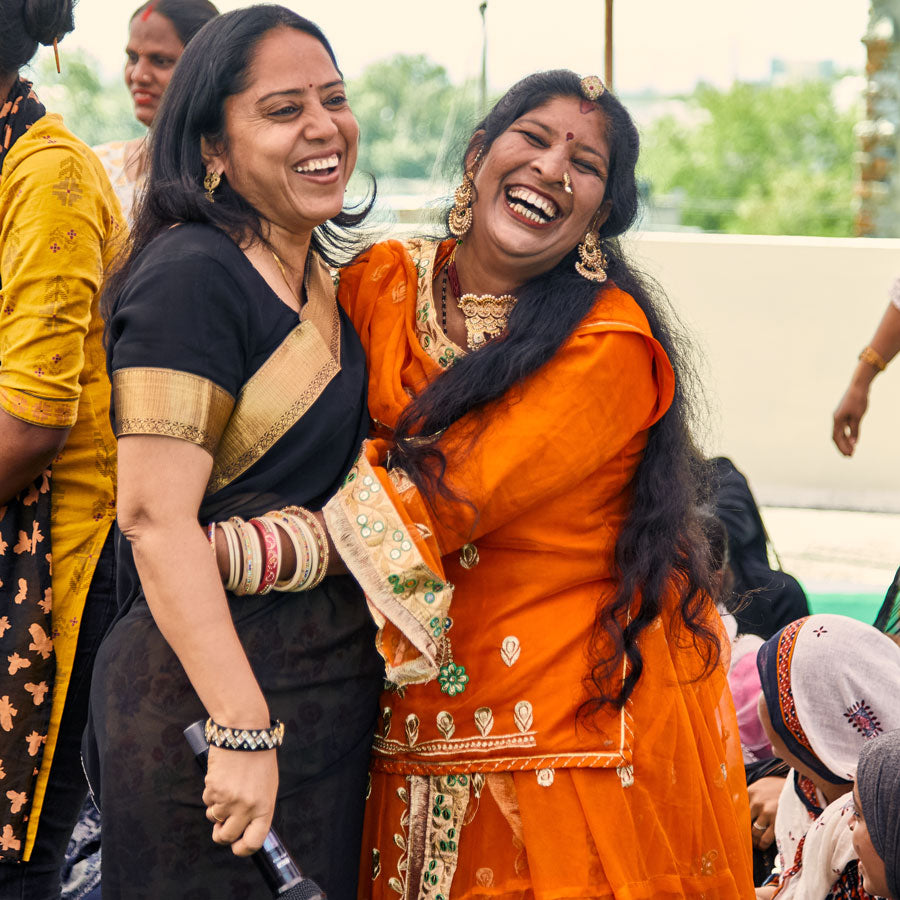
873 358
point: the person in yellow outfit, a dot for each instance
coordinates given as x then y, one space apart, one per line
60 224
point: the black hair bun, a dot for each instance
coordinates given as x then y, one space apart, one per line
48 20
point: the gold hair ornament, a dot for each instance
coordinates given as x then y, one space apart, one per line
592 87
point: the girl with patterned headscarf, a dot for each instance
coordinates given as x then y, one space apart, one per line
829 686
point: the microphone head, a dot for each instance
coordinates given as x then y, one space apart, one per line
306 889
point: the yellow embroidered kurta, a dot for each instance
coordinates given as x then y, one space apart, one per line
59 227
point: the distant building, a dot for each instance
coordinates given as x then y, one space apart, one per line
878 188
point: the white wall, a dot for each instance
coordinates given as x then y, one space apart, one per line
780 322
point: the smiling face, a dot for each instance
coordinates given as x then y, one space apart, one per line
152 51
871 865
291 138
523 214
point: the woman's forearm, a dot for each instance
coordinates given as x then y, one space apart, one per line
288 566
885 342
25 451
184 592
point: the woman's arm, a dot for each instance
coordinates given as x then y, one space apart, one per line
25 451
50 269
161 485
850 411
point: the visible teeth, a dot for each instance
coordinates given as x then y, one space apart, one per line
548 207
317 165
529 213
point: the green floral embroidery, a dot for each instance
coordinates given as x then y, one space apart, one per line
453 679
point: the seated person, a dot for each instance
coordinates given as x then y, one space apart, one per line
829 684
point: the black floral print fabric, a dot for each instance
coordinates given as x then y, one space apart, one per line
26 654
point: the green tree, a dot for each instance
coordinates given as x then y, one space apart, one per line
410 116
758 159
94 108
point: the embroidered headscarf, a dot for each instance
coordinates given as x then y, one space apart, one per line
19 111
831 684
878 783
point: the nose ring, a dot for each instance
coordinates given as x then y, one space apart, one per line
567 183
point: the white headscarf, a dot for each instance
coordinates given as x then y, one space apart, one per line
831 684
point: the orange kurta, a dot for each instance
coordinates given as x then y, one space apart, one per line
484 781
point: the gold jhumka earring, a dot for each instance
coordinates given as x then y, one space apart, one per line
211 182
460 219
592 262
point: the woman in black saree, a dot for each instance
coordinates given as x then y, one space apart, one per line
238 388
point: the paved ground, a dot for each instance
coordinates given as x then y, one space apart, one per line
835 551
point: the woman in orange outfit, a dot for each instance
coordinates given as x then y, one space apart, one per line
563 727
526 528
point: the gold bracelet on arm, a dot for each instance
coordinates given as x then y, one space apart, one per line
873 358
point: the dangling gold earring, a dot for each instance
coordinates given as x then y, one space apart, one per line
592 264
211 182
460 219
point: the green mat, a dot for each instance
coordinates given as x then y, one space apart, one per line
863 607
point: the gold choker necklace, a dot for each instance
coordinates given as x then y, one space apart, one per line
485 314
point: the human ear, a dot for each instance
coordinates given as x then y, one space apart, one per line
602 214
475 152
213 155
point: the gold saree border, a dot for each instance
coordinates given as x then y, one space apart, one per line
167 402
270 403
375 543
50 413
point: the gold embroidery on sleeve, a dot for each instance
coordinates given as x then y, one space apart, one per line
151 400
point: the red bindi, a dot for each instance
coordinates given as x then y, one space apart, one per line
146 13
570 136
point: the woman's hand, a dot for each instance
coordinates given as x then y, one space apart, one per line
848 415
240 797
764 796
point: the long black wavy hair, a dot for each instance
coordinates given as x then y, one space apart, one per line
24 25
213 67
662 544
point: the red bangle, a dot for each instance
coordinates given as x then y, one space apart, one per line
272 556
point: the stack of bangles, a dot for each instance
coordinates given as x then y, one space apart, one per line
255 556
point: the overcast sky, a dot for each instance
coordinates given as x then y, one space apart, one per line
662 44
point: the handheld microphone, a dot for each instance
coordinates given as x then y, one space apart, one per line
281 873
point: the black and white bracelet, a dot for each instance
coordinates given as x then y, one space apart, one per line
245 738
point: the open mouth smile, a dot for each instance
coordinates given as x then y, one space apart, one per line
529 205
323 165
